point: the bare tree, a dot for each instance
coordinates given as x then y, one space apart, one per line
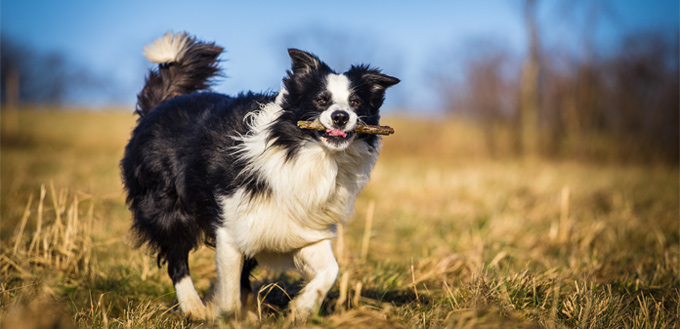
643 93
620 104
478 81
529 84
41 78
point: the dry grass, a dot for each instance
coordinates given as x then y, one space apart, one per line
444 236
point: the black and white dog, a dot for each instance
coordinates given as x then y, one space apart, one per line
236 172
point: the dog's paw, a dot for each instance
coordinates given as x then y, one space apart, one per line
196 311
299 312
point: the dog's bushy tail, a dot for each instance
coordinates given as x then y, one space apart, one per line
185 65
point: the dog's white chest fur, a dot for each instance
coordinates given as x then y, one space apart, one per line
310 192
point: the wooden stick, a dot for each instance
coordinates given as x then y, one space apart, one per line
361 128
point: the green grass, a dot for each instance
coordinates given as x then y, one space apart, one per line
459 239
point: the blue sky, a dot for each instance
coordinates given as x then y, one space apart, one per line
402 37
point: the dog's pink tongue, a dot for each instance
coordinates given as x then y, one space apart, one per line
335 133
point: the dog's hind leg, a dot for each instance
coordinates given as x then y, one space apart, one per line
189 302
229 261
318 264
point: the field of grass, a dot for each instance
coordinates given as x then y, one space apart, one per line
444 236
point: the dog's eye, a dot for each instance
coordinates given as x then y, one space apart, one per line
321 101
354 103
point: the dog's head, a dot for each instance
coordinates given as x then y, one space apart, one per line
338 101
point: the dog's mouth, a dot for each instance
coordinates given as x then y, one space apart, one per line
337 139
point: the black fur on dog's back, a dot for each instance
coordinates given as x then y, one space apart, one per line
166 171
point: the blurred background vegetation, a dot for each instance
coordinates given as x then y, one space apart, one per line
572 99
591 103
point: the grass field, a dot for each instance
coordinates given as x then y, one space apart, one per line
455 238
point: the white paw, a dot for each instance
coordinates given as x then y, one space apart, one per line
194 310
301 309
229 309
190 303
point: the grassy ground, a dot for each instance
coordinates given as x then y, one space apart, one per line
457 239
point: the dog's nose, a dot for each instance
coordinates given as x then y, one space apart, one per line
340 118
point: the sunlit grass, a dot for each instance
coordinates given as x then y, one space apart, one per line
458 239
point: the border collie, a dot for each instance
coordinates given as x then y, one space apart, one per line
235 171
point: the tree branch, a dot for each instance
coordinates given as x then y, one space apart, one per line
361 128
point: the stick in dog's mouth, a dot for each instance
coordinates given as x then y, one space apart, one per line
360 128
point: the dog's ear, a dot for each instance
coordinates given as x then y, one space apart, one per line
380 81
373 77
372 83
303 61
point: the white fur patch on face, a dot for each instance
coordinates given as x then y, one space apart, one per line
339 87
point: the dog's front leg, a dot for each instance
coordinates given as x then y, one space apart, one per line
318 264
229 262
